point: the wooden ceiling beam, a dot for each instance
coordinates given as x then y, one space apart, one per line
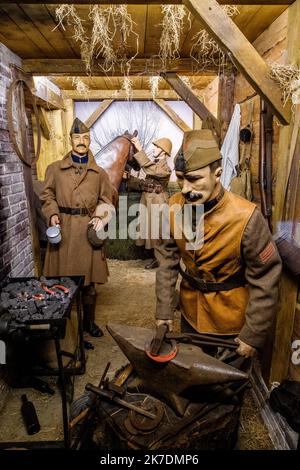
151 2
172 115
145 67
245 57
98 112
120 95
193 101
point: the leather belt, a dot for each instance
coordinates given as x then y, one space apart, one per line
237 280
73 211
153 188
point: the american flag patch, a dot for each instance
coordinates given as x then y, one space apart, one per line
267 253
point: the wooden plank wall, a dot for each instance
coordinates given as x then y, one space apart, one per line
271 44
58 144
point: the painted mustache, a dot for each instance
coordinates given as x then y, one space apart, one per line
193 196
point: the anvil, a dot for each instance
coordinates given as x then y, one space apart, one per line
170 380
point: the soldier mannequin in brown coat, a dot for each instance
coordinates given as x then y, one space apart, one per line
154 187
230 284
75 190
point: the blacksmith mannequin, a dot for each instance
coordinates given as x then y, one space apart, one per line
238 265
74 190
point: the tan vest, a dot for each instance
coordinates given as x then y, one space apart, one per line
220 257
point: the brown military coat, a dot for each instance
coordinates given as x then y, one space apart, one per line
67 186
160 174
235 236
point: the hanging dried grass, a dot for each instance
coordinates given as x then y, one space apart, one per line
107 24
205 50
124 27
127 87
154 85
81 87
173 16
288 78
101 42
68 14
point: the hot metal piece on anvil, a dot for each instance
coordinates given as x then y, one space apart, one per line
191 366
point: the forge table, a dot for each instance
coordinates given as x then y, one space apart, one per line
55 329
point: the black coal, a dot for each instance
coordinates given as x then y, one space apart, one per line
33 300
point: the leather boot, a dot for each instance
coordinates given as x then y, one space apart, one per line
89 298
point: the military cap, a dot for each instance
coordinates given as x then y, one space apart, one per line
78 127
199 149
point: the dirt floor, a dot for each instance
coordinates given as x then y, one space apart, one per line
128 298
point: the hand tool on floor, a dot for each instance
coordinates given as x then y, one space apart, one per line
111 396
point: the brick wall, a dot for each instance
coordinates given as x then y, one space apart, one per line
15 243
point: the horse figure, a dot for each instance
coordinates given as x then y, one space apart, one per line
114 156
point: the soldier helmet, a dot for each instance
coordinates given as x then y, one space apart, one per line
199 149
78 127
164 144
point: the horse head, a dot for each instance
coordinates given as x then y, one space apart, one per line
115 155
131 160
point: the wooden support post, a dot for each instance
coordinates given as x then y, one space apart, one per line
172 115
45 125
286 208
47 98
193 101
98 112
226 100
242 53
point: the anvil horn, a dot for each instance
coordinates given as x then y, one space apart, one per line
191 367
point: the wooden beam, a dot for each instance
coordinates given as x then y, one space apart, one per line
242 53
193 101
76 67
98 112
288 148
47 98
44 122
226 100
152 2
119 95
172 115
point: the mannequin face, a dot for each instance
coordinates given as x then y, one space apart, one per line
201 185
157 152
80 143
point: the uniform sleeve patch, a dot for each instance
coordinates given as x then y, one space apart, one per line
267 253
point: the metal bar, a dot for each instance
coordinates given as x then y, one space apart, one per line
63 393
110 397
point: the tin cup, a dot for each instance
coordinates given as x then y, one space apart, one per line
54 234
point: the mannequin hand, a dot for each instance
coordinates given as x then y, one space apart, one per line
244 349
170 323
54 220
136 143
97 223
